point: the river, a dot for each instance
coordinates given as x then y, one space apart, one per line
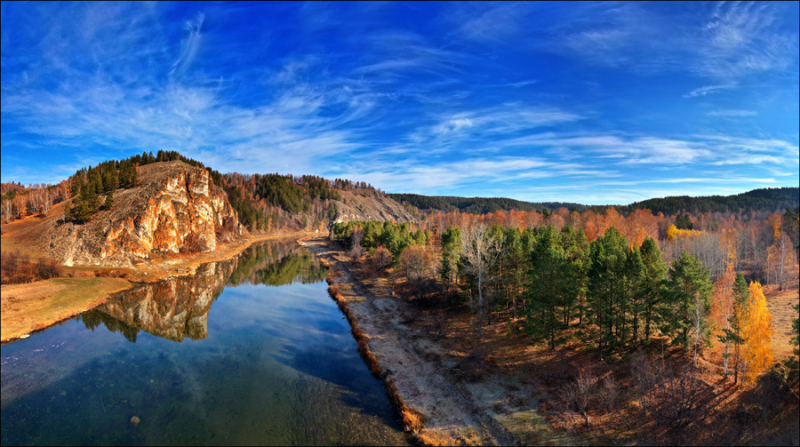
247 351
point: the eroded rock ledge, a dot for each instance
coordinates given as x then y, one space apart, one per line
176 209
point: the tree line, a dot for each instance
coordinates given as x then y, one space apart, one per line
478 205
765 199
609 291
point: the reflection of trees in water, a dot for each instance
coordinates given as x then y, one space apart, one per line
93 318
176 308
277 264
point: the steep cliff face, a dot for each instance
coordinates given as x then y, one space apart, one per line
176 209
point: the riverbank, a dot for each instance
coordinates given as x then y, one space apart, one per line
34 306
417 366
499 389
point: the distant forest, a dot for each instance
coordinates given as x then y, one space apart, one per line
478 205
765 199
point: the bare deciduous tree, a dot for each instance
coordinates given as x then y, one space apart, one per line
481 252
578 394
644 379
381 259
357 250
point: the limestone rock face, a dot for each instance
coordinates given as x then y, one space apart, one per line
177 209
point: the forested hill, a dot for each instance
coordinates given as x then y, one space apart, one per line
765 199
478 205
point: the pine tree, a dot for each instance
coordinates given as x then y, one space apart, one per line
109 200
634 278
690 289
606 287
546 289
652 287
577 254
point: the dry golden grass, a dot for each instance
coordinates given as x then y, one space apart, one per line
780 304
37 305
443 437
23 235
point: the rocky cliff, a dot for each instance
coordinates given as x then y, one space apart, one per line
177 209
366 205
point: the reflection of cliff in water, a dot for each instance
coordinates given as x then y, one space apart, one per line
178 307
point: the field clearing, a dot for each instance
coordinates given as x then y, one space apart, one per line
780 304
33 306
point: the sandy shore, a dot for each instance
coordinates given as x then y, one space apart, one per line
452 413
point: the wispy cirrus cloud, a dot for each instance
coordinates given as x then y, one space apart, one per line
191 44
464 99
719 40
708 89
733 113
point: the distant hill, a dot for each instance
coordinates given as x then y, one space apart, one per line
765 199
478 205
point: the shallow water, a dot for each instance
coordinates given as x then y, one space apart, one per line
249 351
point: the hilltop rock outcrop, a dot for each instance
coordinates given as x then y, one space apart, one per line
366 205
177 209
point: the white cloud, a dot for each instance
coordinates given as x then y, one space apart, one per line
190 45
733 113
703 91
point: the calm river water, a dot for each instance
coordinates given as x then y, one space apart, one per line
248 351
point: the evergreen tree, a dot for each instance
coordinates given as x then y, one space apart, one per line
690 291
109 200
451 249
637 305
514 266
547 288
606 287
576 251
653 282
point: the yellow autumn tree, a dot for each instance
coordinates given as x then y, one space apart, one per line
757 335
723 306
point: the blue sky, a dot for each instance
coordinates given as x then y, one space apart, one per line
584 102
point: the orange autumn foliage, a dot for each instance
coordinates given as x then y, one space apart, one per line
723 306
757 333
